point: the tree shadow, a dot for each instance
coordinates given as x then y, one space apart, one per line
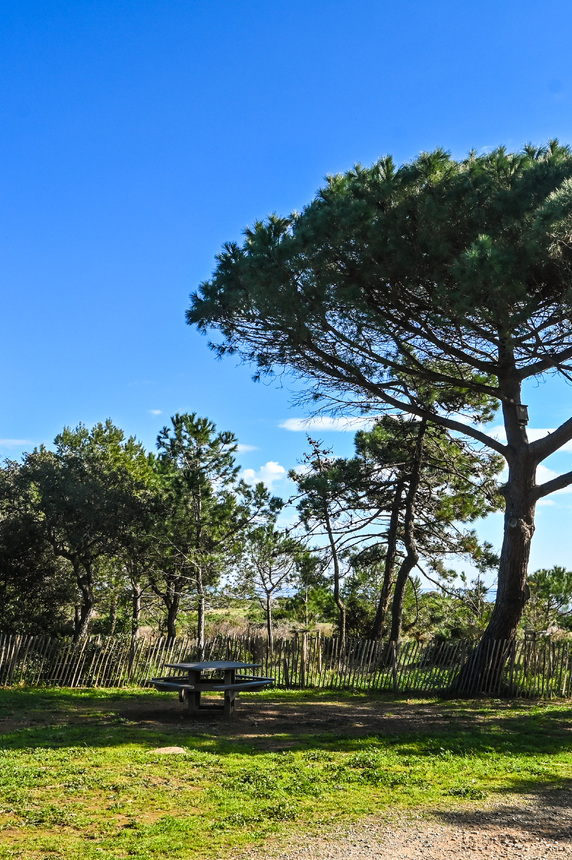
546 813
60 717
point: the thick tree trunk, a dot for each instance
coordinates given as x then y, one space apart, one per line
405 569
484 669
171 620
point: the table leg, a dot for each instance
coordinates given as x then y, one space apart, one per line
229 695
193 699
229 698
193 702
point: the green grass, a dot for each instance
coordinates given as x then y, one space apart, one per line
80 777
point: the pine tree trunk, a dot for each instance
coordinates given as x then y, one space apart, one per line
200 615
113 616
269 623
171 620
412 556
172 600
484 668
136 592
337 578
391 553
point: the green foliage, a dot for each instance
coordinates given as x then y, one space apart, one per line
206 512
550 603
389 265
457 615
270 566
361 504
73 506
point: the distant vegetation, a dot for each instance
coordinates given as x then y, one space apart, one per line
99 535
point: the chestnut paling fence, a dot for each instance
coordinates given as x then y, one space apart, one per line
531 668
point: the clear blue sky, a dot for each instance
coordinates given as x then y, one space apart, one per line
138 136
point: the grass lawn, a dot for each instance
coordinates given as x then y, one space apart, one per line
83 774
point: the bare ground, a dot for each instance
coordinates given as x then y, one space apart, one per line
532 827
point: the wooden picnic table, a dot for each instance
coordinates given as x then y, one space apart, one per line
211 676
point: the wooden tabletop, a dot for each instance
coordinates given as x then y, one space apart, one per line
220 665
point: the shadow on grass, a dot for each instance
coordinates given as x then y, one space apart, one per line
60 717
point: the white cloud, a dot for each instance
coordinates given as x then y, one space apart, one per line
325 422
155 411
242 449
14 443
268 474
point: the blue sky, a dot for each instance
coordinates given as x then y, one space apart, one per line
138 136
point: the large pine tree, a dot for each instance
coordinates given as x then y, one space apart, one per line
456 274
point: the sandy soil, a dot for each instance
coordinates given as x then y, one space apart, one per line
532 827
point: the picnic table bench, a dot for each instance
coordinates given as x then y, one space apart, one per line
191 685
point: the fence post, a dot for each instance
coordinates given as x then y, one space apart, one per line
303 660
394 666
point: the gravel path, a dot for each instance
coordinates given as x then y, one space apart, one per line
532 827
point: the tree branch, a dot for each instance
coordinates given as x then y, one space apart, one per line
551 486
549 362
542 448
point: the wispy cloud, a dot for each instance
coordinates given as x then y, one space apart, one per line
155 411
326 423
269 474
14 443
243 449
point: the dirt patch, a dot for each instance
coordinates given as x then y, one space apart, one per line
535 827
276 725
256 719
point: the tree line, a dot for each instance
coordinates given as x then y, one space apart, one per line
100 534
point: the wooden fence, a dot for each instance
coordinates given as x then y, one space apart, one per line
540 668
